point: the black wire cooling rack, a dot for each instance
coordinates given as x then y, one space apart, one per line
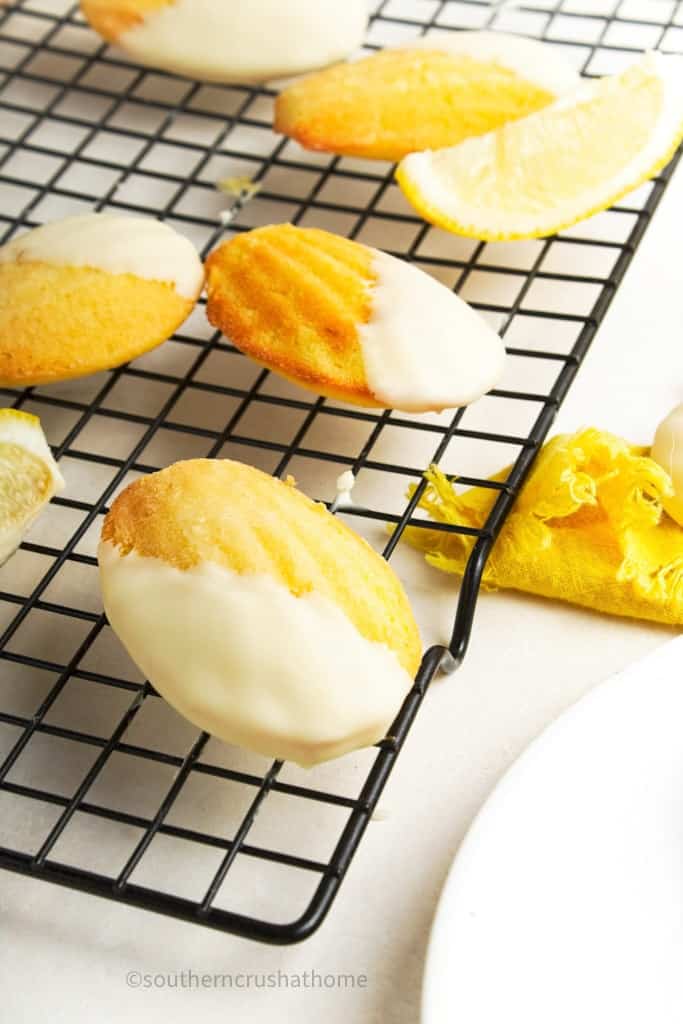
102 787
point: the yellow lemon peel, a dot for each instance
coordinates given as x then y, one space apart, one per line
588 528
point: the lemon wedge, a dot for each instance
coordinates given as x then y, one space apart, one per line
545 172
29 476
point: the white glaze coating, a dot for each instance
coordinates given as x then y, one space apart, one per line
141 246
423 347
539 63
345 485
667 450
229 40
246 660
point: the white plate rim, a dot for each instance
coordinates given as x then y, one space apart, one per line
430 1012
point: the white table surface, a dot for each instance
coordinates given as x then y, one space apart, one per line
65 955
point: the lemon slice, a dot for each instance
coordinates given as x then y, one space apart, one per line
535 176
29 476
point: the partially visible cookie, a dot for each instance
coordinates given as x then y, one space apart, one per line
667 450
228 40
350 322
89 293
29 476
428 94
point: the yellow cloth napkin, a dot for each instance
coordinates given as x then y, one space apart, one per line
588 528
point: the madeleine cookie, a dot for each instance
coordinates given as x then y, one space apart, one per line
256 614
431 93
89 293
228 41
350 322
29 476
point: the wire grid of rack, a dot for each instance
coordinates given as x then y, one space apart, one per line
102 787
